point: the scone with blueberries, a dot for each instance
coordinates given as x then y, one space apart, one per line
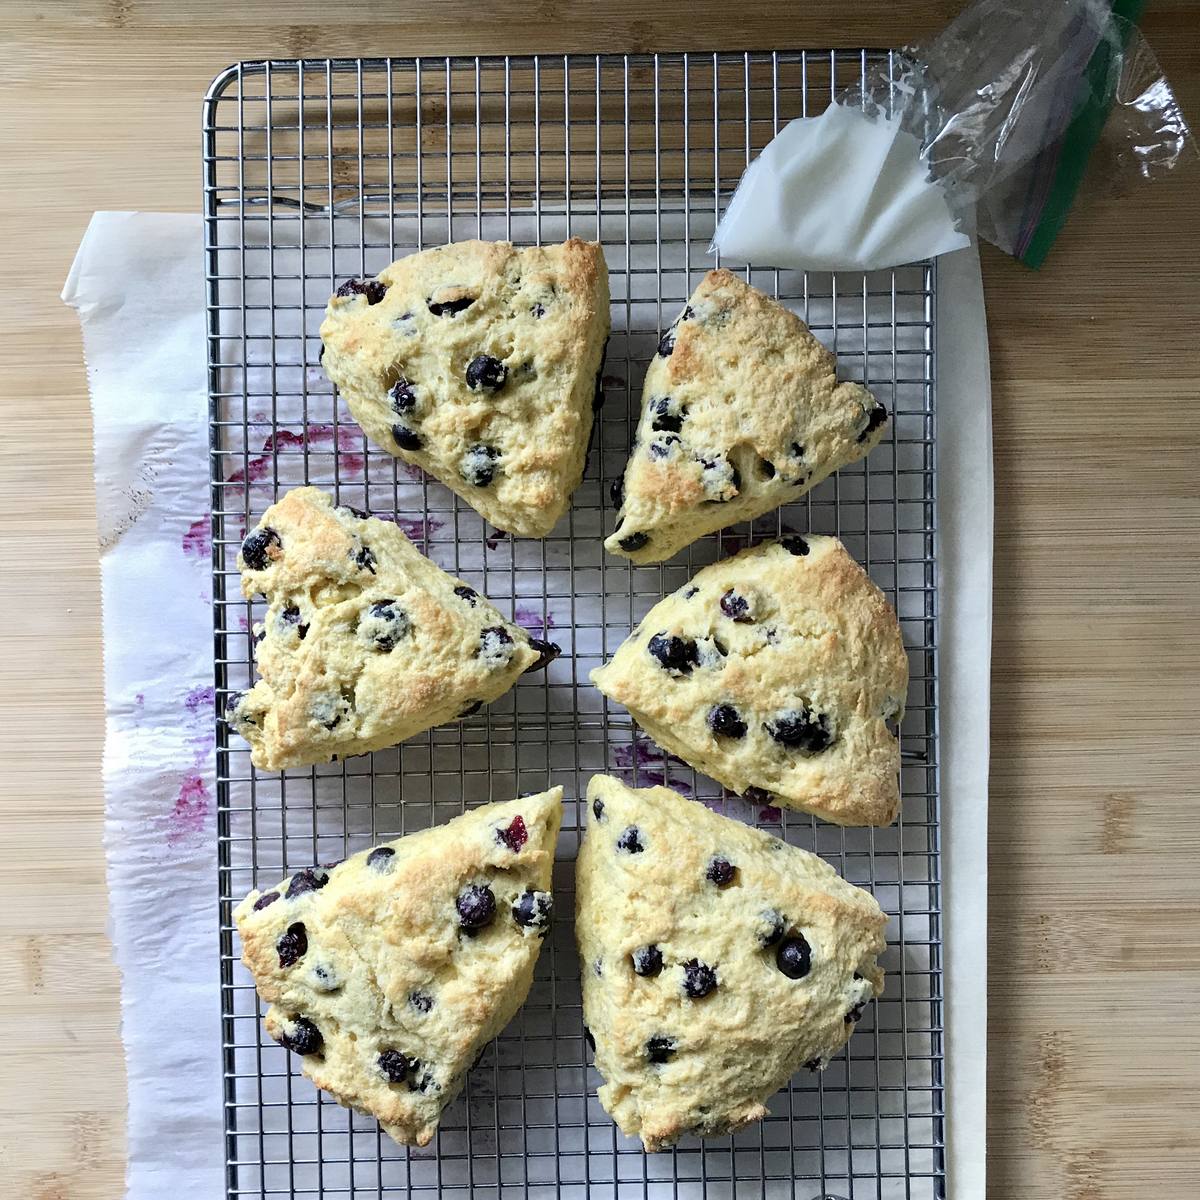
389 972
776 672
479 363
741 413
365 641
716 960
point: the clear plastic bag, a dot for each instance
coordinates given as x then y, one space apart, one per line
1010 101
987 128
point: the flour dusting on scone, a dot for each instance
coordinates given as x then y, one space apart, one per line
716 960
777 672
366 641
741 413
479 363
388 973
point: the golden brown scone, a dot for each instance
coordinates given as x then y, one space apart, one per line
389 972
365 641
480 363
716 961
775 672
741 412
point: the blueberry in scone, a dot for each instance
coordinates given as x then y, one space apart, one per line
479 363
366 641
776 672
741 412
376 980
713 994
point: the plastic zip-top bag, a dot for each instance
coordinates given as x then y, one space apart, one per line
986 129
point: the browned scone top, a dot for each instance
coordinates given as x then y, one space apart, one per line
479 362
716 961
775 672
741 412
365 640
389 972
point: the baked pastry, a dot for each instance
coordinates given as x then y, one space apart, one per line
389 972
480 363
717 960
741 412
365 641
775 672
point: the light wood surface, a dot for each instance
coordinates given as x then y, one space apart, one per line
1095 812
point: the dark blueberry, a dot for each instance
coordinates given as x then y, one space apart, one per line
687 314
476 906
470 595
771 928
421 1001
365 559
736 607
256 549
380 859
665 421
292 945
426 1083
514 835
661 447
875 418
587 1037
547 653
855 1014
666 343
538 311
495 645
354 512
371 288
794 956
404 398
478 465
485 373
395 1066
797 450
260 636
598 967
533 910
721 872
673 653
766 468
795 545
724 721
302 1038
698 978
386 623
630 840
265 899
291 617
757 795
616 491
406 439
801 729
633 541
598 809
450 308
470 710
660 1049
325 979
311 879
692 591
647 961
813 1064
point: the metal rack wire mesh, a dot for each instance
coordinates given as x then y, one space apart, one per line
318 170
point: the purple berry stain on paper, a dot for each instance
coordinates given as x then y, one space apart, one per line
770 814
190 813
530 619
198 699
419 530
494 539
197 542
643 763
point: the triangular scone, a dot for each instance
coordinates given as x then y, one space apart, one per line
716 961
480 363
741 412
389 972
365 641
775 671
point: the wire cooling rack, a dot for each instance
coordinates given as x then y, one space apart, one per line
318 170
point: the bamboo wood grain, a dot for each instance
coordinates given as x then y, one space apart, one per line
1095 803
